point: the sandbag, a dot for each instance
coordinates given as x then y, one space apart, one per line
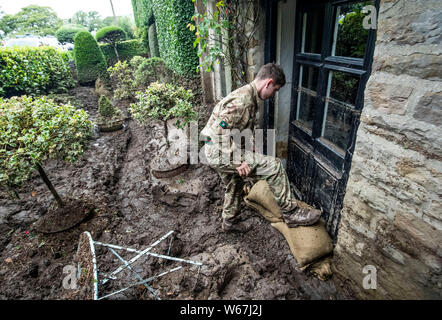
307 243
260 198
311 245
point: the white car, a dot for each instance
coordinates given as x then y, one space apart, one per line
33 41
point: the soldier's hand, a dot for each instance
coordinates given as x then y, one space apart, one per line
243 169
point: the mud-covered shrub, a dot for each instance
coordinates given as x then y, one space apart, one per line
162 101
66 33
89 60
33 130
126 50
33 71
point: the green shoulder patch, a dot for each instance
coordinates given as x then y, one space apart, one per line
223 124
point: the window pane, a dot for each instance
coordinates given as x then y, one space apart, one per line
308 78
337 125
313 22
350 37
342 90
344 87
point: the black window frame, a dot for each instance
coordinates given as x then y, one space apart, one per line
326 63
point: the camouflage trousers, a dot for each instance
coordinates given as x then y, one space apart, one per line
262 167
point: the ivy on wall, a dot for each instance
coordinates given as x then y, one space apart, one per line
175 41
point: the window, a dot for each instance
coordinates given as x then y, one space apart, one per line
332 62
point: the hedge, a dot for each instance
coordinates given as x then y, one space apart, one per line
33 71
153 41
175 41
89 59
126 50
66 33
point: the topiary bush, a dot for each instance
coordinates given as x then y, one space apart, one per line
126 50
111 35
109 117
89 60
33 130
33 71
66 33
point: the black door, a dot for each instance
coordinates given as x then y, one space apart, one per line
333 56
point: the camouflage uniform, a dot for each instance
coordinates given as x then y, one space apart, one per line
238 111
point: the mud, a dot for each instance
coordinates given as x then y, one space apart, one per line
134 209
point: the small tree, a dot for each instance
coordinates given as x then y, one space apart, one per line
33 130
89 59
111 35
109 116
66 33
162 101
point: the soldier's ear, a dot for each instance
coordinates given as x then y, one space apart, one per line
269 81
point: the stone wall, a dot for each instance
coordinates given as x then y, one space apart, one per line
392 215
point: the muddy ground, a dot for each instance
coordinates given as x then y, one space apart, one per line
133 209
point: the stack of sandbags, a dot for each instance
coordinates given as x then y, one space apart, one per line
311 245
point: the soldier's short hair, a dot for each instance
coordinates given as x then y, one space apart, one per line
273 71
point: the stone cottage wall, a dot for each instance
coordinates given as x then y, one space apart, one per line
392 215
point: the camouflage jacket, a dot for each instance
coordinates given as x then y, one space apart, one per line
236 111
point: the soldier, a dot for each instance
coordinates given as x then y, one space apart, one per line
238 111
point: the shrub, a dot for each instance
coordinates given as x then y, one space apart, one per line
163 101
33 71
66 33
150 70
126 50
108 114
121 76
89 60
33 130
111 35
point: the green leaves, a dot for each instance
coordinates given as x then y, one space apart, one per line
163 101
33 130
33 71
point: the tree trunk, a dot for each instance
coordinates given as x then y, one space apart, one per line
113 12
116 51
50 186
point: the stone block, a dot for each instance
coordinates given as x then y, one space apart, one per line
389 98
429 107
424 66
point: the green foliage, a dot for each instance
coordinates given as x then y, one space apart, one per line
163 101
352 37
150 70
110 34
66 33
33 71
126 50
143 13
33 130
175 41
105 107
89 60
121 76
90 20
32 19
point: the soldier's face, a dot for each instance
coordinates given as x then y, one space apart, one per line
269 89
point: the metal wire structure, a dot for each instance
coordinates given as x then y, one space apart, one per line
128 264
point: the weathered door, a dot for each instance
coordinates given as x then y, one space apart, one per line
334 47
